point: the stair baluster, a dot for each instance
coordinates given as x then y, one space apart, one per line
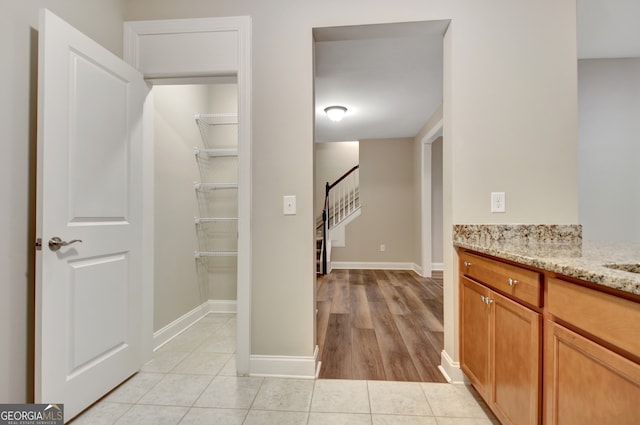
339 204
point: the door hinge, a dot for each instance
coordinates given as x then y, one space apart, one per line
39 244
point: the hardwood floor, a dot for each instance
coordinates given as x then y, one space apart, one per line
380 325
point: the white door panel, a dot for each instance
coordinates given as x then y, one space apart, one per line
97 290
98 143
89 295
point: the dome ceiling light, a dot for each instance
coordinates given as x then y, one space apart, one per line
335 113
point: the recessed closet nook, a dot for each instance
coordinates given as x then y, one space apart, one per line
196 207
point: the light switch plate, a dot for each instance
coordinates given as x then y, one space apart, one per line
290 205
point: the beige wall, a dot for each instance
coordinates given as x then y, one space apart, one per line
179 285
509 110
609 107
332 160
175 288
387 199
102 20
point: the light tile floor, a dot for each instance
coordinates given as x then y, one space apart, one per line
191 381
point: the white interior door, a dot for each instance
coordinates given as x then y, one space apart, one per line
89 294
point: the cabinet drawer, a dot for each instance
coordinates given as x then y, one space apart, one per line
613 319
524 285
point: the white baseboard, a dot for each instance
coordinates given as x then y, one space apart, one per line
222 306
372 265
184 322
451 370
302 367
305 367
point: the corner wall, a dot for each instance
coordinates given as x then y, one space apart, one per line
175 134
387 199
609 148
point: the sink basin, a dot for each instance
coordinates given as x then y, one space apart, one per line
631 268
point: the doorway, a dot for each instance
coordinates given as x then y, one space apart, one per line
190 223
390 98
228 43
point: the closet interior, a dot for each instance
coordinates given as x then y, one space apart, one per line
195 198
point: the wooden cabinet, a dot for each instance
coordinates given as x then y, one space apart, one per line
591 378
587 384
475 340
583 368
500 349
612 319
516 356
522 284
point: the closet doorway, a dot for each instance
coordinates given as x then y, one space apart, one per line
199 51
195 199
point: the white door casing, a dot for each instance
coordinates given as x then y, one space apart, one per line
426 204
92 299
202 50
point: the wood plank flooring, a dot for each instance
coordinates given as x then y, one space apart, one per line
380 325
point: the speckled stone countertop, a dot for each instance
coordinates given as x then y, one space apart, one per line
556 248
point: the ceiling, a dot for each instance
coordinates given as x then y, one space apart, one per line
389 76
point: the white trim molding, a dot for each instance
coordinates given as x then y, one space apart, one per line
373 265
301 367
184 322
223 306
178 47
198 49
426 204
451 369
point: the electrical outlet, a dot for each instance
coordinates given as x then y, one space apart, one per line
498 202
382 247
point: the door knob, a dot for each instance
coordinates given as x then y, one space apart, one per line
55 243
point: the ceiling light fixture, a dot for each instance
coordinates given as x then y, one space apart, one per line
335 113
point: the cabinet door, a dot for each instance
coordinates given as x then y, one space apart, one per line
516 359
475 335
586 384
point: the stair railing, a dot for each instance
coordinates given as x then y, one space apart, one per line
339 204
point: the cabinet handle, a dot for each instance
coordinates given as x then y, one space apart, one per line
512 282
486 300
467 264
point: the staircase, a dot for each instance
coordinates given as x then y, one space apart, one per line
341 207
319 246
